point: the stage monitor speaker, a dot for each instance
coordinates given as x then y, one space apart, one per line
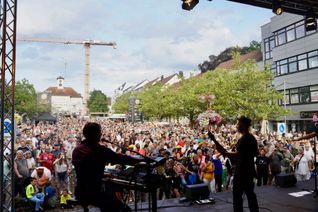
285 180
197 191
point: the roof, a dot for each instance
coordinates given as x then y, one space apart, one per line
66 91
256 55
166 79
152 82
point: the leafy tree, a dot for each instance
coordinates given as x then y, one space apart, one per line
97 102
244 90
121 103
151 101
25 98
215 60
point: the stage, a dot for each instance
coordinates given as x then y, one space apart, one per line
270 198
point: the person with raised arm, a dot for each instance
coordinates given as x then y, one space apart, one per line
245 168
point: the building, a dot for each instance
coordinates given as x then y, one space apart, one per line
62 100
292 53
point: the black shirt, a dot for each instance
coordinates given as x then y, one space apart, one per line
247 150
262 163
89 160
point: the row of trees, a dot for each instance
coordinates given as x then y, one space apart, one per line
241 90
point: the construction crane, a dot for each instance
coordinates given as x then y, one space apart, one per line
87 45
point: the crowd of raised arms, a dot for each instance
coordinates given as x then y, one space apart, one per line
43 154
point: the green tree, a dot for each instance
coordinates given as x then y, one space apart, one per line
121 103
186 101
244 90
25 98
97 102
254 45
151 103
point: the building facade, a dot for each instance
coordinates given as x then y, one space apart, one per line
292 54
62 100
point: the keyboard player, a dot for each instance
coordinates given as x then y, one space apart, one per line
89 159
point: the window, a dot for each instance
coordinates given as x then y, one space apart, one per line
290 34
294 96
300 31
269 44
281 37
297 63
313 59
302 62
313 62
314 93
283 67
292 64
304 95
286 98
273 68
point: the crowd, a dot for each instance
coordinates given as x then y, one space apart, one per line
45 175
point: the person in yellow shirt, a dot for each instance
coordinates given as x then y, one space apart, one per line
33 195
208 174
63 200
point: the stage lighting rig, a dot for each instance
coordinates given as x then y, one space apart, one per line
310 21
277 7
189 4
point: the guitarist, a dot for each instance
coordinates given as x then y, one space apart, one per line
245 169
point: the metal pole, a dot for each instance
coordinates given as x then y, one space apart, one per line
285 103
3 83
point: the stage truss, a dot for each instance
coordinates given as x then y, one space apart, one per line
7 50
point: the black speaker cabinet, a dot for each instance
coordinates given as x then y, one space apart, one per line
285 180
197 191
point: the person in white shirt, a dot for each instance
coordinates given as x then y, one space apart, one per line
308 151
303 165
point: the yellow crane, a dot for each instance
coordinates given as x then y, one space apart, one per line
87 45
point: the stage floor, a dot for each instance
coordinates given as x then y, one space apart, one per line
270 198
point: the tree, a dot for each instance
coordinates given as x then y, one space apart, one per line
244 90
97 102
151 103
25 98
226 55
254 45
121 103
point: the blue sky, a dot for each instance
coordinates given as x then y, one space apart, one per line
154 38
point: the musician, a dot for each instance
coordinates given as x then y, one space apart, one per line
89 159
245 169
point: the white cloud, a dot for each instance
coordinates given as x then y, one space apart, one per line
154 38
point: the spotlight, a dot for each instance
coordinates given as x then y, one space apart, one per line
310 21
277 7
189 4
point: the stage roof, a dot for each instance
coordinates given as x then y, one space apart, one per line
299 7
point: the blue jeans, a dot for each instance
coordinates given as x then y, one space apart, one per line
38 199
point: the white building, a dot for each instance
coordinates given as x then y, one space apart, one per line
63 99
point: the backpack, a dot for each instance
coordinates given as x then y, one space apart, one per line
52 202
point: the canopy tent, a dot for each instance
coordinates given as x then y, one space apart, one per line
45 117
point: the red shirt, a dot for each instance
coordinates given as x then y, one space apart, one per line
48 159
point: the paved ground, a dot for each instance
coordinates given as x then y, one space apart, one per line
270 198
